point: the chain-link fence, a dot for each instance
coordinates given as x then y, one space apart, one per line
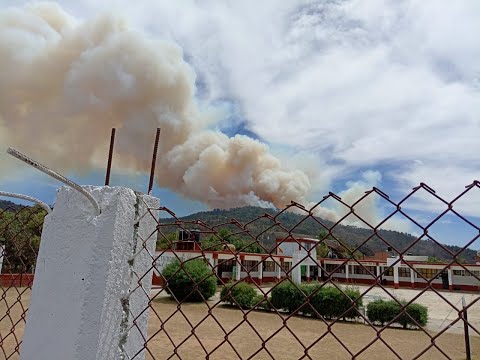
290 284
20 231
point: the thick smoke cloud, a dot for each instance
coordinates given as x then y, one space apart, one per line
64 83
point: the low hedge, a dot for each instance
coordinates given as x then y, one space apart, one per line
384 311
192 280
262 303
326 301
239 294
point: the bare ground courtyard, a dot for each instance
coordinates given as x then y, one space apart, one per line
284 345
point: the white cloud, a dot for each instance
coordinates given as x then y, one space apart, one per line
360 83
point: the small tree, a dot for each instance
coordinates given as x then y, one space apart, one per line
192 280
20 233
165 242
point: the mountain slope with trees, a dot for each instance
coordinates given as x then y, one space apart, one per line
8 205
267 232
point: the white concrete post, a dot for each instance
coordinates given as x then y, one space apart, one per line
319 272
279 271
2 252
296 268
346 272
238 268
378 270
412 277
450 279
307 272
395 276
86 291
260 271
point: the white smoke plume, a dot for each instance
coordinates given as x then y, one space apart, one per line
64 83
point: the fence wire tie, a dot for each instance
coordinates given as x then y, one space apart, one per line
17 154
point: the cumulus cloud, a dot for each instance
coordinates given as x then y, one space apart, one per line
358 83
361 83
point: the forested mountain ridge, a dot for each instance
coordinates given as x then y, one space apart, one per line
351 236
4 205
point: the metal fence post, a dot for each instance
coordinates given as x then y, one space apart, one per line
85 297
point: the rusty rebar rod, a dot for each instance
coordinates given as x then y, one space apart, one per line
154 161
110 156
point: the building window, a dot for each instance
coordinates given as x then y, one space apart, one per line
466 273
330 268
287 266
269 266
389 272
307 246
364 270
250 265
403 272
428 273
226 265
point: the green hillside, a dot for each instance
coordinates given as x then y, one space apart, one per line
267 231
8 205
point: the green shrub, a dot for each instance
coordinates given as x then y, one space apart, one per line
239 294
417 312
353 295
383 311
282 294
300 302
332 303
182 279
260 302
289 297
326 301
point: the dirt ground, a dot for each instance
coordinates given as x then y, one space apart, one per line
208 335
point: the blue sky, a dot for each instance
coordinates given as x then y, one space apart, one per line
352 93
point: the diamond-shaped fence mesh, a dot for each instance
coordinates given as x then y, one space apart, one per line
290 285
20 231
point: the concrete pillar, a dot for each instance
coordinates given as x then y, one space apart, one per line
319 273
279 271
238 268
396 283
412 278
307 273
346 273
87 291
260 272
296 269
2 253
450 279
